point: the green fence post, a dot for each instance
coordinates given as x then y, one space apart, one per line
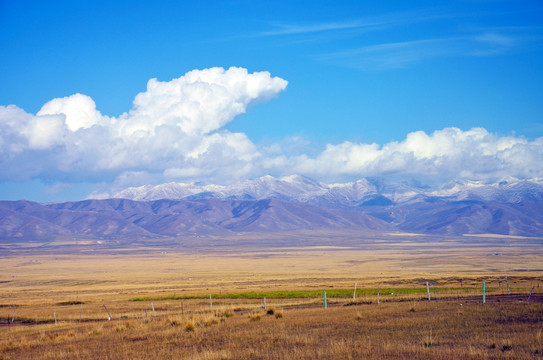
325 304
484 294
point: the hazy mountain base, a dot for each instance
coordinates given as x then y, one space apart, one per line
126 220
463 217
294 260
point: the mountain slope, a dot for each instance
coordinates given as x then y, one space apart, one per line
123 219
464 217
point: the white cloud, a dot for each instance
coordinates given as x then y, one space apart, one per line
172 125
44 132
444 154
199 102
79 111
402 54
175 132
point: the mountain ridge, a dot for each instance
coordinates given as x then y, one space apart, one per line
122 218
303 189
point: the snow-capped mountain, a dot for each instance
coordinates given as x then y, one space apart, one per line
268 204
363 192
294 187
509 190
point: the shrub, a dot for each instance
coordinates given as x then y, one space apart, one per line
227 314
507 346
189 326
210 322
65 303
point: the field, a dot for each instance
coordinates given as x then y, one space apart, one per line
55 301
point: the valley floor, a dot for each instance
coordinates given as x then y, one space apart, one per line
159 299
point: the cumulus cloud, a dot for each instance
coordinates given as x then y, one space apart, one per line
172 125
444 154
79 111
175 132
199 102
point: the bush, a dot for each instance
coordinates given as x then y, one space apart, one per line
227 314
189 326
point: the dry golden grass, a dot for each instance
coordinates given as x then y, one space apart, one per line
391 330
404 325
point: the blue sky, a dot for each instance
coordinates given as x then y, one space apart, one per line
435 90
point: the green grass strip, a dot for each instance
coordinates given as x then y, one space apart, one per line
304 294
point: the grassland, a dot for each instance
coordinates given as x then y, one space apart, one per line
158 298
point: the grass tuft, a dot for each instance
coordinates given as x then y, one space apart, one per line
66 303
210 322
507 346
189 326
227 314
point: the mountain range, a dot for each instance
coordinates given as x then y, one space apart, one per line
122 219
267 204
366 191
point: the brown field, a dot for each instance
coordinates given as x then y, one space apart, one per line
44 281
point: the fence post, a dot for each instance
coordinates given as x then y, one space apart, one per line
484 293
354 293
153 307
529 296
325 304
109 315
13 316
506 281
428 290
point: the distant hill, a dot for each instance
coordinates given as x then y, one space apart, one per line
464 217
121 218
